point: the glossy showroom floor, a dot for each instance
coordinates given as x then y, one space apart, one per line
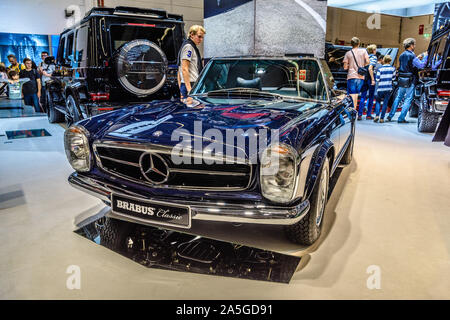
390 209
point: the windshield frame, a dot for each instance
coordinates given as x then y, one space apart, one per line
318 61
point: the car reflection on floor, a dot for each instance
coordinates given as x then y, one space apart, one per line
171 250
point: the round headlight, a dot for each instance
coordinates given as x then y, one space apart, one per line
278 173
76 144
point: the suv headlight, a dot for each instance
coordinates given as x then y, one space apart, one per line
278 173
76 144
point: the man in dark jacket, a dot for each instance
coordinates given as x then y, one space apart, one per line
408 75
32 89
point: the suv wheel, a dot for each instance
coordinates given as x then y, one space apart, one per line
427 121
72 113
307 230
53 114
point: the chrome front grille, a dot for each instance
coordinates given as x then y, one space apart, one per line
124 160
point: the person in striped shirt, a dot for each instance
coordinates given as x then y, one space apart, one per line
369 85
384 77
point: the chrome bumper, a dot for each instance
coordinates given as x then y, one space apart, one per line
221 211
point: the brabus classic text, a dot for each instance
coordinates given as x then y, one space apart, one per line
147 210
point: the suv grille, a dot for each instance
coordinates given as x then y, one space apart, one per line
127 163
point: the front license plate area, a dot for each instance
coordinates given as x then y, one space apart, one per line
152 211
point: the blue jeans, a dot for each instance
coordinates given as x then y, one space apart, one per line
32 100
382 96
367 88
183 90
354 86
408 93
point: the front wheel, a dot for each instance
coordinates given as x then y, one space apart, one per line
53 115
308 230
114 233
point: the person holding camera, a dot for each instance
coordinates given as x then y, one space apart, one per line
407 79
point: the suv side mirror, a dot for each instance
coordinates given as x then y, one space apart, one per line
68 61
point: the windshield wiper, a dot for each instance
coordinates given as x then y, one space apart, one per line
241 92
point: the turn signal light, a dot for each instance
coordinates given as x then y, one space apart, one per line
99 96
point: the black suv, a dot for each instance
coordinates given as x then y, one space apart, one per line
114 56
433 90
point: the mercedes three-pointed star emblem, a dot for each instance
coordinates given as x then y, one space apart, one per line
154 168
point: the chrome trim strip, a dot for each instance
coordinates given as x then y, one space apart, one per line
165 150
237 213
219 173
121 161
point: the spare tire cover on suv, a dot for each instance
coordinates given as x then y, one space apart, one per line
141 67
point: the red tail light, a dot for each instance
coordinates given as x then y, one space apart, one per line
444 93
99 96
141 24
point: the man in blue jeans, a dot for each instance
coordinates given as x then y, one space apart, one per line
369 84
408 64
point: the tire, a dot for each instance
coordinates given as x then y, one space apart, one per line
348 155
308 230
114 233
54 116
72 113
426 121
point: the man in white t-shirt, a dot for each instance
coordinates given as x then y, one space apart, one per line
190 61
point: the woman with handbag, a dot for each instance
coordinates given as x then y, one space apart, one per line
355 61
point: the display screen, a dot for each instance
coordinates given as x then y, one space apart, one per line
23 46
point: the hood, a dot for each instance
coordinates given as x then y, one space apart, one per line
163 122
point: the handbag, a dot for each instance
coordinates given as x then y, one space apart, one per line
405 79
362 71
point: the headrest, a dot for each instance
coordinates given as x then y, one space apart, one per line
255 83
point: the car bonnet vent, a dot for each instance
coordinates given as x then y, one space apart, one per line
149 13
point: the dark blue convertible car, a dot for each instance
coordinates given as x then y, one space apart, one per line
258 145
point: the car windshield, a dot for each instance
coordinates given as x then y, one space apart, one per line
297 78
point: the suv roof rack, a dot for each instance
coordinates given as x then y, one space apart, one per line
136 12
